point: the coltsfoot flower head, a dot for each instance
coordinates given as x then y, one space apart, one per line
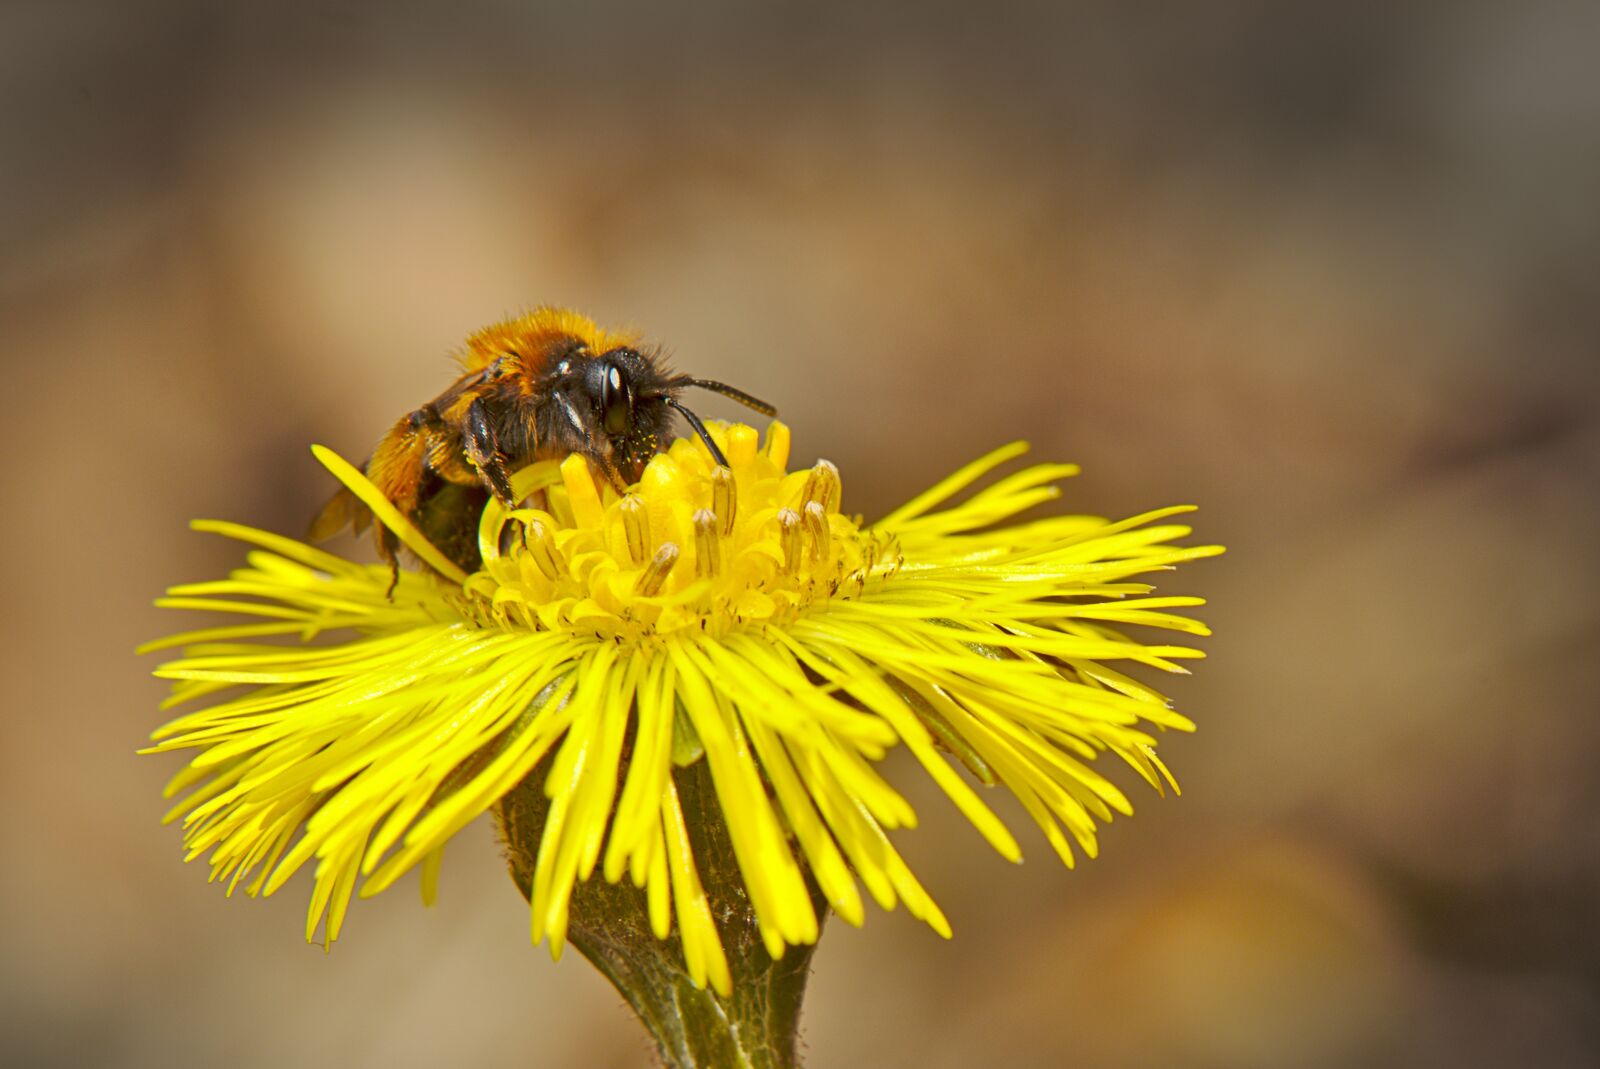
734 616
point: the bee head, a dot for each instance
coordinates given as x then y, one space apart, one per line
630 398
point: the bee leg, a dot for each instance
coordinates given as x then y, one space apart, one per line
575 435
426 416
389 550
485 454
613 473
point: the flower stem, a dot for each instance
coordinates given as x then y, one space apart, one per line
755 1026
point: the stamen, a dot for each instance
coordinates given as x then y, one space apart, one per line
724 502
648 585
636 526
707 551
869 559
542 548
824 485
789 539
817 526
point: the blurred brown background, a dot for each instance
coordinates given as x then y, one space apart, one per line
1329 271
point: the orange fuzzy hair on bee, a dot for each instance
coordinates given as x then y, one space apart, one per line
535 331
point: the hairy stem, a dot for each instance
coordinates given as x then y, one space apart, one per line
756 1025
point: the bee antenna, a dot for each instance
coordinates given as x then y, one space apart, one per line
729 391
700 429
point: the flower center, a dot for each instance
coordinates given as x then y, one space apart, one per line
692 545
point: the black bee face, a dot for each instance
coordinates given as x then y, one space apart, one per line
615 408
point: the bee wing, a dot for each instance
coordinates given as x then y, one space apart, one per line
343 510
415 442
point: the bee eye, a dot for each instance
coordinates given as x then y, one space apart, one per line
616 400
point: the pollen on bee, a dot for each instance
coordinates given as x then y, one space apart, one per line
636 527
650 581
724 501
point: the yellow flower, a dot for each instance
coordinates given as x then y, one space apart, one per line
731 616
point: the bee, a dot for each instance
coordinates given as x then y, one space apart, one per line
541 386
